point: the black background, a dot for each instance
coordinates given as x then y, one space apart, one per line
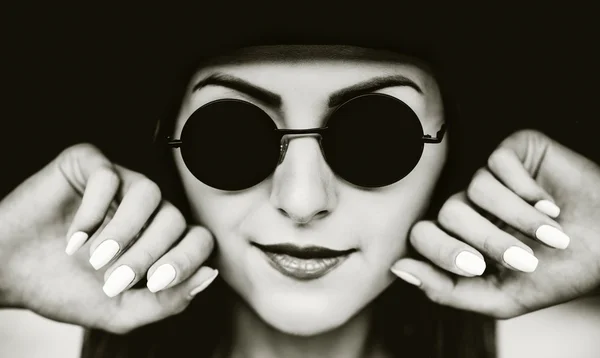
74 75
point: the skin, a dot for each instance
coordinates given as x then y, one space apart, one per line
90 194
304 203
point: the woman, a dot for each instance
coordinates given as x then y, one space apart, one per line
365 216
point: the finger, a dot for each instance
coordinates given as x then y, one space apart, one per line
133 213
491 195
96 202
79 162
477 294
182 261
508 168
165 230
446 251
139 307
462 221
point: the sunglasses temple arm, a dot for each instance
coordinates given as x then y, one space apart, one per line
439 136
175 143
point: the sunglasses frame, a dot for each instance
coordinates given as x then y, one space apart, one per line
427 138
319 131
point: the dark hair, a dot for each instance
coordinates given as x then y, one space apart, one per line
406 321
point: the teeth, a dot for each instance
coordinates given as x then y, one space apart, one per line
302 264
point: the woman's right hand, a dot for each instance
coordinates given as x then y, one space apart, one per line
133 234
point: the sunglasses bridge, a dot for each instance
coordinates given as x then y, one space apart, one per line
297 133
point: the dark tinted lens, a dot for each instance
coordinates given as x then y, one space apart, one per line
230 145
373 140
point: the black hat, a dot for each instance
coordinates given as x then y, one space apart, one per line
107 78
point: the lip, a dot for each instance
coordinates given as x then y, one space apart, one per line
303 263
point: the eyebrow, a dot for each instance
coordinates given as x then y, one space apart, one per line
337 98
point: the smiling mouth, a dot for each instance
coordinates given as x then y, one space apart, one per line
303 263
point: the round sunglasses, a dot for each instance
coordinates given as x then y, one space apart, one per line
371 141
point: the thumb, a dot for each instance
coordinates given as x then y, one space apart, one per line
477 294
139 307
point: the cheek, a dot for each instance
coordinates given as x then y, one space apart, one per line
218 211
400 206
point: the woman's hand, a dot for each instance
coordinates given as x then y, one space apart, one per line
126 233
507 215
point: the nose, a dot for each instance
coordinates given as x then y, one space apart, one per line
303 185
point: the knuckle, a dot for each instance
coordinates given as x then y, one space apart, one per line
419 230
175 217
488 244
187 261
150 188
497 157
107 173
528 133
476 187
90 217
450 211
83 148
436 296
206 240
145 257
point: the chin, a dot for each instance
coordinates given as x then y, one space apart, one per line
300 315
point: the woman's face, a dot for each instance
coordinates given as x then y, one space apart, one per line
303 202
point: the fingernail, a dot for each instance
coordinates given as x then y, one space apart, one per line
161 278
407 277
104 253
204 284
470 263
75 242
547 207
118 280
520 259
552 236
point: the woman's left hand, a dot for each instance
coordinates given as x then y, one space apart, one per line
508 214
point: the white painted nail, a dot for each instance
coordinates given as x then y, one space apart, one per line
204 284
104 253
407 277
161 278
520 259
552 236
470 263
547 207
118 280
76 242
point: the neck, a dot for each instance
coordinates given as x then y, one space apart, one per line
252 337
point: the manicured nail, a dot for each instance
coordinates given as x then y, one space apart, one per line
552 236
407 277
547 207
76 242
204 284
470 263
118 280
520 259
161 278
104 253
